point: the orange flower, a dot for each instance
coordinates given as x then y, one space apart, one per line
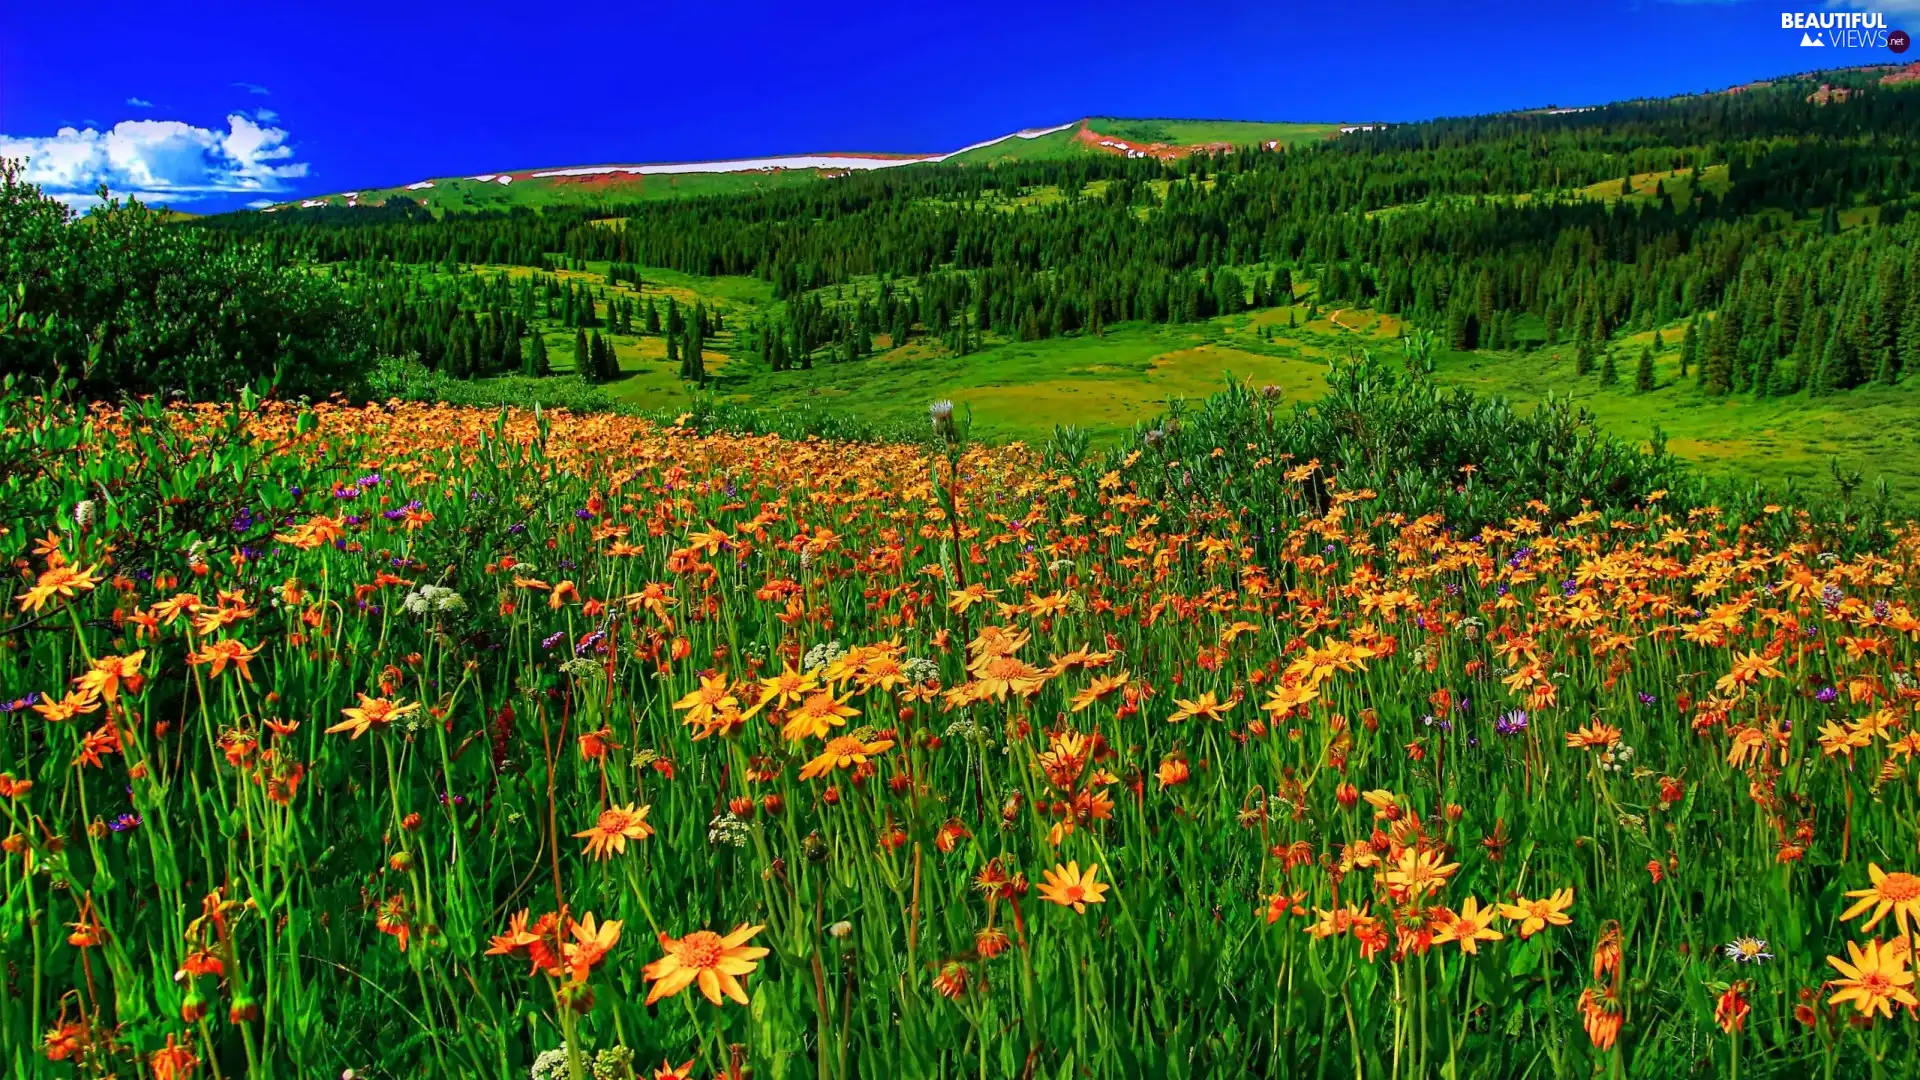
171 1061
841 753
1536 915
819 714
1898 892
372 713
109 673
705 958
1601 1016
1418 873
227 651
1876 980
1206 706
668 1071
700 704
1730 1012
617 825
1068 887
103 740
74 704
66 581
1470 927
1597 737
592 941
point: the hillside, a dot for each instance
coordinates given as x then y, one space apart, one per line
570 185
1732 272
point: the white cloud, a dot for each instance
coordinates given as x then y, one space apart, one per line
259 204
253 88
157 160
265 116
140 103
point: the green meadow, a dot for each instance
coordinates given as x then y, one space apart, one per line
1105 384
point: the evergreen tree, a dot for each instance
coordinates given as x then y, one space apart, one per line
582 365
1643 371
1609 371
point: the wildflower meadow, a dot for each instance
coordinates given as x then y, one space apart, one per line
422 741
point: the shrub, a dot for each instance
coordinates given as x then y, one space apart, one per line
125 301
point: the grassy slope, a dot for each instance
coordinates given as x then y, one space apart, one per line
1020 390
1199 132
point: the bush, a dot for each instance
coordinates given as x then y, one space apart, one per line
125 301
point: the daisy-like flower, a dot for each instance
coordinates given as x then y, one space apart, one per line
1876 978
1068 887
1471 926
1418 873
66 581
1747 950
701 703
819 714
616 826
372 713
1898 892
227 651
110 673
713 962
1206 706
1536 915
841 753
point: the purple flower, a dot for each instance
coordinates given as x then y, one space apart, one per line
1512 723
124 822
32 699
583 514
1827 695
555 639
1648 699
517 529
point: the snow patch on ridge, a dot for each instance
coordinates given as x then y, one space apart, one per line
794 161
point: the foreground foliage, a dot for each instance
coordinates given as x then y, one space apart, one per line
434 741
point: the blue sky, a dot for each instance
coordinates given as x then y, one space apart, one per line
214 105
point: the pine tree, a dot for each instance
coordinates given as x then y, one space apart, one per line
1643 371
1609 371
1689 348
581 365
1582 358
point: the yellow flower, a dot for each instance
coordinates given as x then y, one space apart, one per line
1536 915
841 753
1206 706
1470 927
616 826
819 714
1876 980
705 958
1419 872
1068 887
701 703
64 581
1898 892
372 713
